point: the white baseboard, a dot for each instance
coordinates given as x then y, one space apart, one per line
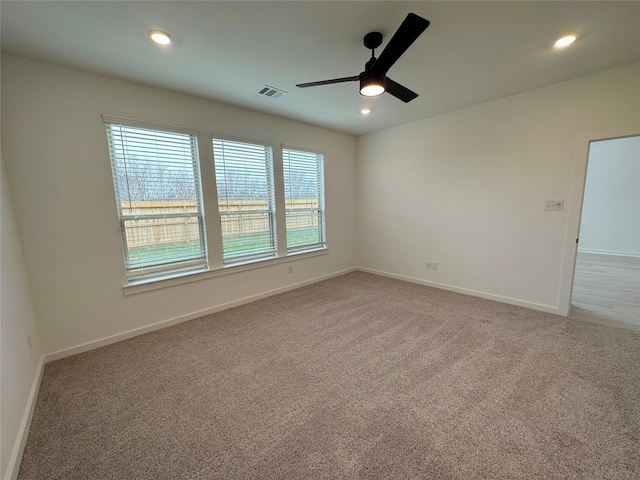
67 352
18 449
498 298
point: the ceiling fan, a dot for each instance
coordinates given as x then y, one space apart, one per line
374 80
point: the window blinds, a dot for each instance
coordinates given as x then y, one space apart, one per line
244 178
158 193
304 199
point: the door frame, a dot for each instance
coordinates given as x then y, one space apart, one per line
581 159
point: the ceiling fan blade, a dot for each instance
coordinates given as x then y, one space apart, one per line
410 29
400 92
328 82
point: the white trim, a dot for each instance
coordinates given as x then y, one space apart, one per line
23 433
136 122
574 207
237 139
608 252
314 151
179 278
67 352
466 291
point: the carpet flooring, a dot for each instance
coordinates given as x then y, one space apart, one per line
356 377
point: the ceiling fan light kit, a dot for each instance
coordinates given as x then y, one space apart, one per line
372 84
374 80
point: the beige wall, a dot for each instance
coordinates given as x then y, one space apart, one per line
467 189
20 367
55 150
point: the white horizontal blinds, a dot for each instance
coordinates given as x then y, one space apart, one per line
244 178
157 183
304 199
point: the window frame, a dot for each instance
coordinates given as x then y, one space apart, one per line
210 234
321 209
158 270
272 202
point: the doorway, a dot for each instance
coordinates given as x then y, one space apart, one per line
606 283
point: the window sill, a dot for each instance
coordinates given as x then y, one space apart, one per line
170 280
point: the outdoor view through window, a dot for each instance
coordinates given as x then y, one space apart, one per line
157 185
156 174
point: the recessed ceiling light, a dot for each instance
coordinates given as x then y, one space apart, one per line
365 111
565 41
158 36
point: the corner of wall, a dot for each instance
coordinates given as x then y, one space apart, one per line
22 363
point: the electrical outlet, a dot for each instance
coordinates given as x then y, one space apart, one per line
553 205
290 267
434 266
29 342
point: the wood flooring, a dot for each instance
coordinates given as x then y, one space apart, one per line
607 287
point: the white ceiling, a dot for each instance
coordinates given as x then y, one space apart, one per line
473 52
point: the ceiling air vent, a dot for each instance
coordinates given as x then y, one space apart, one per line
268 91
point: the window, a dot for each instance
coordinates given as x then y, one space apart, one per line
304 199
161 204
156 175
244 177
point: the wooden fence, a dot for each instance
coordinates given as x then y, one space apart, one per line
165 231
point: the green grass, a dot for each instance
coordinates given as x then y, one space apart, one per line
243 243
307 236
157 254
232 246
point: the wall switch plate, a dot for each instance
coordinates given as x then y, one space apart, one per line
428 266
553 205
29 342
290 267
